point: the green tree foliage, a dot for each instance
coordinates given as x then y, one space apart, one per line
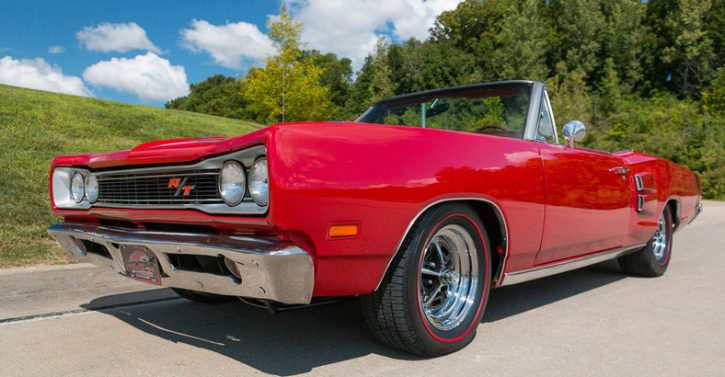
445 65
609 89
473 26
581 27
381 83
714 99
336 76
407 65
520 55
714 26
623 42
288 88
218 95
680 50
569 96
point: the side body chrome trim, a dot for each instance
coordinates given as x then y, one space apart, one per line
572 264
499 215
271 270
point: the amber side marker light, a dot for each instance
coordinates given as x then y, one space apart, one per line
339 231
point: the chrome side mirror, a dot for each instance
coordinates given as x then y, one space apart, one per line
574 132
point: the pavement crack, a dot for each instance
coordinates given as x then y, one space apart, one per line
37 317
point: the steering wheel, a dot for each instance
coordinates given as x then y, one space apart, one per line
491 126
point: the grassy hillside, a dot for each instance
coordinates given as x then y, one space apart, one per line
36 126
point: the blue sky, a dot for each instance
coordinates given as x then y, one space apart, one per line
148 52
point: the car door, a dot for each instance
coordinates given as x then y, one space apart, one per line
587 196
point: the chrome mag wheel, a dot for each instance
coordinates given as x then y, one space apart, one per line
659 240
434 294
448 277
653 259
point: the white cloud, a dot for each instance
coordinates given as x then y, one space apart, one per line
38 74
116 37
151 78
56 49
350 28
228 44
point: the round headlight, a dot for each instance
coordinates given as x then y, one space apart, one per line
92 188
77 187
232 183
259 182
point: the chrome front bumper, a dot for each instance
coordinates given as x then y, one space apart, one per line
268 270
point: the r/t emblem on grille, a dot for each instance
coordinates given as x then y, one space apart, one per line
180 187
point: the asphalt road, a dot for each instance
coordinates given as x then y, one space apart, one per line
596 321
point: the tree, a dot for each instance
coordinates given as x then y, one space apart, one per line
406 63
472 28
581 25
288 88
217 95
714 98
569 96
623 42
381 85
609 91
715 27
336 74
679 47
521 54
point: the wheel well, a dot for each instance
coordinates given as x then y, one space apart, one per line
494 225
674 206
492 222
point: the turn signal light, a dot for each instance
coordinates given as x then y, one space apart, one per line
349 230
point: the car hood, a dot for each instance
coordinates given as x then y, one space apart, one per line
165 151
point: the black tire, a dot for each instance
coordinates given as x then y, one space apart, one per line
653 259
206 298
407 310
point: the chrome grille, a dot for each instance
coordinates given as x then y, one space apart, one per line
187 187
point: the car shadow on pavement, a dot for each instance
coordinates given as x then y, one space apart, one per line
515 299
289 343
298 341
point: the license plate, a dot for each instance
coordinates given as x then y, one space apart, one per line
141 264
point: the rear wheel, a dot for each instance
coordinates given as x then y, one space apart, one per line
206 298
654 258
435 292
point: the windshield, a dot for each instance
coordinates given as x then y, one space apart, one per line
498 110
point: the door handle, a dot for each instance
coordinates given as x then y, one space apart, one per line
621 170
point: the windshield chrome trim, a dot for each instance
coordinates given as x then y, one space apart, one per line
432 92
532 116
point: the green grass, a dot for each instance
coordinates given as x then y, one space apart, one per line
37 126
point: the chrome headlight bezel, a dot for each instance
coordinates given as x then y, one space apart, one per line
91 188
77 187
232 191
259 182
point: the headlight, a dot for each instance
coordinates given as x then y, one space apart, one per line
77 187
92 188
259 182
232 183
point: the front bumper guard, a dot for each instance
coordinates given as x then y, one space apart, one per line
270 270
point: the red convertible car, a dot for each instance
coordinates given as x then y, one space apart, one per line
420 207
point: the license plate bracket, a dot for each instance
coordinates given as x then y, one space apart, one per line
140 263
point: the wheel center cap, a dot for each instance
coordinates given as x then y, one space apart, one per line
453 277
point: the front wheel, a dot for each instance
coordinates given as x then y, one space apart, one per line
653 259
434 294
